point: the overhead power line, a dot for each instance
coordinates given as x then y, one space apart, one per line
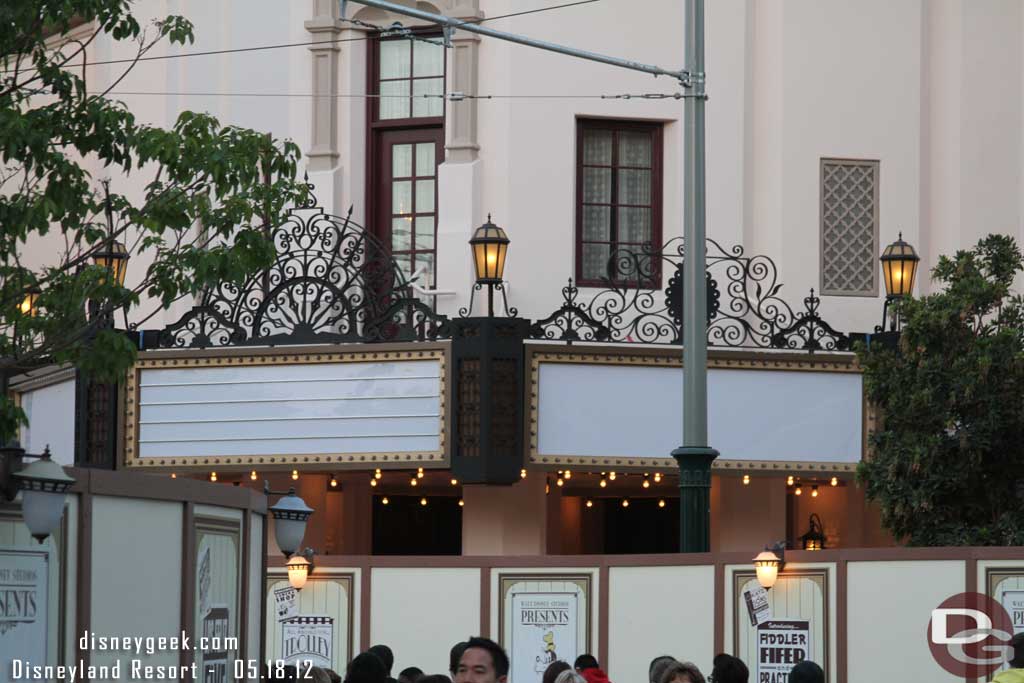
452 97
280 46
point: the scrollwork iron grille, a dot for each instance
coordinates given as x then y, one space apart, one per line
332 282
744 309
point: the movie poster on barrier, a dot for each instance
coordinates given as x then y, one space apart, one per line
308 639
1013 601
24 582
781 645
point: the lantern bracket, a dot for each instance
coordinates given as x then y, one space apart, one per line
510 311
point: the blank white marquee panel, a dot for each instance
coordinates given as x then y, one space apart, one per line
620 410
315 408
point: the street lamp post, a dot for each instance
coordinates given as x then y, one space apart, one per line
694 456
899 268
490 247
43 486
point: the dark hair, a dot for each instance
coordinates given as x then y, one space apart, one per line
729 669
454 656
585 662
366 668
806 672
554 668
1017 643
435 678
335 678
411 673
498 656
688 669
384 654
657 666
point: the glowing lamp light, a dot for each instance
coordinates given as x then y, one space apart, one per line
295 475
814 491
835 481
568 474
590 503
423 502
413 482
657 477
373 482
252 475
522 473
455 482
625 502
646 484
611 476
114 257
334 482
213 476
814 539
661 503
767 566
298 571
384 500
560 482
490 247
746 479
603 483
462 503
789 480
799 491
899 267
29 305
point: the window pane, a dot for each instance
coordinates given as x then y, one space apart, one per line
597 185
595 261
425 165
401 234
424 196
394 59
597 147
392 107
428 59
634 226
634 149
597 223
401 161
634 187
431 106
424 232
404 263
426 262
401 196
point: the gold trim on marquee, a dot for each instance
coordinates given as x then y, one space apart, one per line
231 463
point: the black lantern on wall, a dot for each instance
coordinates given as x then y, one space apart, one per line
899 269
814 539
490 247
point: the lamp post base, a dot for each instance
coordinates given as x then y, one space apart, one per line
694 497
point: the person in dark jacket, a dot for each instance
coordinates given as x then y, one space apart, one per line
729 669
366 668
806 672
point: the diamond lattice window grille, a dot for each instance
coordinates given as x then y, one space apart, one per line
849 227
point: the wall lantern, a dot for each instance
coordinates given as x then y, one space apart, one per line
29 306
114 257
299 566
43 486
490 247
814 539
899 268
768 563
290 515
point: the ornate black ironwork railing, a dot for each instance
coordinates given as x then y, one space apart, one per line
743 306
331 282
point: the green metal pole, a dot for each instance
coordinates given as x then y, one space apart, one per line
694 456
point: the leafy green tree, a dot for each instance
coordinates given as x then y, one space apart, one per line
948 462
210 191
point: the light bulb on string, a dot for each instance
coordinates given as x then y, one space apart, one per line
746 479
657 477
590 503
560 482
252 475
295 475
661 503
568 474
646 484
373 482
213 476
799 491
413 482
625 502
603 483
423 502
461 503
789 480
384 500
455 482
835 481
522 473
611 476
334 482
814 491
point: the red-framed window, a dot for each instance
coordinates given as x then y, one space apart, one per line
618 202
405 146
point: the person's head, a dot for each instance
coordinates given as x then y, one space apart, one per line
554 668
1017 659
584 662
806 672
410 674
384 654
436 678
729 669
335 678
454 656
286 673
366 668
482 661
682 672
569 676
658 666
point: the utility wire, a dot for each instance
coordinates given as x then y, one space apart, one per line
382 29
452 97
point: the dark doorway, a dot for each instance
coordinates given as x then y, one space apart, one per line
642 527
404 526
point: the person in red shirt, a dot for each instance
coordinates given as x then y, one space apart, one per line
588 667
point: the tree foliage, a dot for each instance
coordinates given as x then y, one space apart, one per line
209 190
948 463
